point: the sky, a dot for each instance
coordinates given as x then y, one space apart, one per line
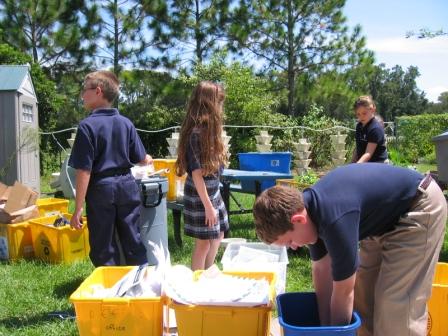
385 23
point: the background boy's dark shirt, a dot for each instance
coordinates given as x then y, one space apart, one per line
353 202
105 141
371 132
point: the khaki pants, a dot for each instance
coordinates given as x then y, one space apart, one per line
394 280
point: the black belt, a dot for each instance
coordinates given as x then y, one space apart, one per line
424 184
112 172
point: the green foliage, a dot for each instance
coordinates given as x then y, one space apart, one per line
320 141
123 31
296 37
310 177
441 106
50 31
396 157
335 90
415 133
195 29
395 92
153 101
249 101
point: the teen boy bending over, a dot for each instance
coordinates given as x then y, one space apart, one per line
398 216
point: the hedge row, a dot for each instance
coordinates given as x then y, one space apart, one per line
414 135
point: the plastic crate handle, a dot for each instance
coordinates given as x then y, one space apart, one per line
146 187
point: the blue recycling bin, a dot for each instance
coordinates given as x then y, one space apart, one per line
153 215
279 162
298 316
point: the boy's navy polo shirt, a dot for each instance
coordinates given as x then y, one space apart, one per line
106 140
353 202
371 132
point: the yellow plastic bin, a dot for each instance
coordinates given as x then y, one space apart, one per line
59 244
438 303
52 206
198 320
175 183
16 241
115 316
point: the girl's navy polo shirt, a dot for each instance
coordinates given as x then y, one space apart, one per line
371 132
353 202
106 140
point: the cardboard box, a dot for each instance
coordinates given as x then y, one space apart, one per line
20 205
4 192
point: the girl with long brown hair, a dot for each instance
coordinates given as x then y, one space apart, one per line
201 153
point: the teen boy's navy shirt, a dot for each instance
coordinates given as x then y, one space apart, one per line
371 132
106 140
353 202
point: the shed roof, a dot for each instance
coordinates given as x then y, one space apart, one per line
12 76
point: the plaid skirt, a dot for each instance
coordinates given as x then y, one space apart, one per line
194 212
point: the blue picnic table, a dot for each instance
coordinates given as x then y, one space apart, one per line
228 179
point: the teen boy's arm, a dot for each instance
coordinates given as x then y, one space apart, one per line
334 298
323 285
82 182
342 301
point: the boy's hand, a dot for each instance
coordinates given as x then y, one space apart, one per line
76 220
149 160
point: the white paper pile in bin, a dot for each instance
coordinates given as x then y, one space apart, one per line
257 257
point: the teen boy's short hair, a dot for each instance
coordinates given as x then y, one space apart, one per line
273 210
107 81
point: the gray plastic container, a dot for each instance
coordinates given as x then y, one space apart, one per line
153 217
441 142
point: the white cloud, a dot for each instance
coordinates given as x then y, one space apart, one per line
402 45
433 93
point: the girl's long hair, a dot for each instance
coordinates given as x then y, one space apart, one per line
204 116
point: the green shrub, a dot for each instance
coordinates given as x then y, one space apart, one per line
320 141
415 133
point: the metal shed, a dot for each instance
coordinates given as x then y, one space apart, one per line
19 144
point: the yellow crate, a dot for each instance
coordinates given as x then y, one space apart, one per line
16 241
292 183
52 206
115 316
226 320
438 303
59 244
174 181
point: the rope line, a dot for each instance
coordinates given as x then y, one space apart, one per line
225 126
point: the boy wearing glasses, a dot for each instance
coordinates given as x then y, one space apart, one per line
106 147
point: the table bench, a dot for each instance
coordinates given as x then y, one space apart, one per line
227 177
177 207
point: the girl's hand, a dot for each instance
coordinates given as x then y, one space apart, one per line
211 217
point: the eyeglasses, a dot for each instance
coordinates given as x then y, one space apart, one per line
84 89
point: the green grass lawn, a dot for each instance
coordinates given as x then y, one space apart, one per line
31 290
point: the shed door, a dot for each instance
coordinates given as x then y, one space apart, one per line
28 144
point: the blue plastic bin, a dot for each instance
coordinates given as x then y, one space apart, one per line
279 162
298 316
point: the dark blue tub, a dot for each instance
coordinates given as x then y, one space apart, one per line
298 316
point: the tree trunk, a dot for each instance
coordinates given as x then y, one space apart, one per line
197 33
116 42
291 73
